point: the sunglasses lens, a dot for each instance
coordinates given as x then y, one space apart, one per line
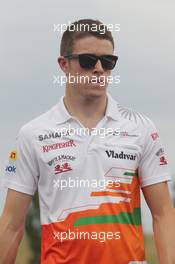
87 61
109 62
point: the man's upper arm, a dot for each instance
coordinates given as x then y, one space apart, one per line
158 198
154 172
15 209
153 167
22 171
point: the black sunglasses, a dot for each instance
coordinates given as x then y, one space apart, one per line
88 61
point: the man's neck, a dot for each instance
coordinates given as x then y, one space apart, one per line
88 110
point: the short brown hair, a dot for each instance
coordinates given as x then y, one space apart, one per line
74 31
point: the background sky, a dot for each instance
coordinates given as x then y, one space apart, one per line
29 48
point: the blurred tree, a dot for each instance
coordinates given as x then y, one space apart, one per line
33 230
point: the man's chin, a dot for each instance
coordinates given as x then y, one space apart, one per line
97 86
95 90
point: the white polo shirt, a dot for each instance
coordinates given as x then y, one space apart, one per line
88 183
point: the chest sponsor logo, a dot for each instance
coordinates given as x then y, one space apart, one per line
62 168
114 132
55 146
163 160
56 134
120 155
61 158
126 134
117 132
11 169
13 155
154 136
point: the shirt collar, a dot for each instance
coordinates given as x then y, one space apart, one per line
63 115
112 108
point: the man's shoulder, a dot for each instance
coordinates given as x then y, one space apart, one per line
133 116
39 123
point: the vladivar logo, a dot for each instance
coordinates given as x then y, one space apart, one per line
121 155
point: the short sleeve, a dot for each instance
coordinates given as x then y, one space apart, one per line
22 173
153 166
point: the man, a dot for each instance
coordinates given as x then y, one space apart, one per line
81 220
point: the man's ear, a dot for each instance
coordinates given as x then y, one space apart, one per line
63 63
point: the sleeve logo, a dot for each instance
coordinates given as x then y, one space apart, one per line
13 155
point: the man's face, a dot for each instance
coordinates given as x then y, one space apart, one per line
94 84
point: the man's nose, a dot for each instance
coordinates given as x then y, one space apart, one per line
98 67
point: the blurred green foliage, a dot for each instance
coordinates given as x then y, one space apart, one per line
33 230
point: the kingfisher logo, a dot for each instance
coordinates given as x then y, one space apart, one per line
121 155
11 169
62 168
55 146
